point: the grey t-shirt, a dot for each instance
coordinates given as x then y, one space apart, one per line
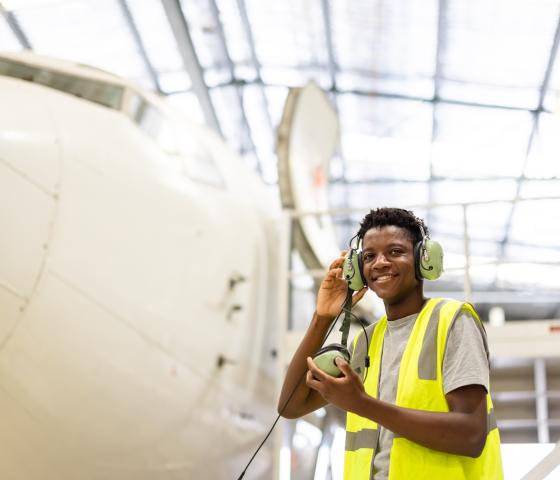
465 363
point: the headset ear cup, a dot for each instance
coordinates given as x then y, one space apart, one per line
428 259
326 356
431 260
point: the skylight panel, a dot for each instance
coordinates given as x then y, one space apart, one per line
540 189
160 44
497 52
276 97
187 103
261 132
8 40
545 151
488 221
237 39
530 253
552 95
532 223
386 46
377 195
369 157
226 104
208 39
385 138
480 142
294 76
446 220
385 117
528 275
68 32
483 251
288 34
464 191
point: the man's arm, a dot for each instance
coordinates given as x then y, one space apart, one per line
303 400
461 431
296 398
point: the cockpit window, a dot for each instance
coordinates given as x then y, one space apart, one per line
97 92
199 164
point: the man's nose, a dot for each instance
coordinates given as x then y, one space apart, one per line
380 261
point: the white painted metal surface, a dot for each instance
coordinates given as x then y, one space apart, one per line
525 339
308 136
546 469
123 281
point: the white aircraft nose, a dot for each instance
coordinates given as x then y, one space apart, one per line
29 176
28 140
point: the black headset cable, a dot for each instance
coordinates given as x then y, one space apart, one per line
290 396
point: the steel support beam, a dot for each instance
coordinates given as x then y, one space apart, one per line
499 297
15 27
333 68
191 63
328 40
539 373
534 131
139 44
254 59
440 49
459 236
436 178
395 96
238 88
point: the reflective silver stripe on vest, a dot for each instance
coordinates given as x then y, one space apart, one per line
366 438
491 423
427 362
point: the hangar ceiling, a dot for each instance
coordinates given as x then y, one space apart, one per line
445 105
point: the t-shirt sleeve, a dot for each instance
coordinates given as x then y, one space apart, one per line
466 354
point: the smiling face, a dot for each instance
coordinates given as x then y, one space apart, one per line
388 267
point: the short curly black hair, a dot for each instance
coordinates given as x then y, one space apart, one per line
399 217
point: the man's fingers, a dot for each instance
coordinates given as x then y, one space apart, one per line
311 381
344 366
315 371
334 273
337 272
311 365
338 261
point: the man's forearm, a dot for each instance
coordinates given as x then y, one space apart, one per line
451 432
310 343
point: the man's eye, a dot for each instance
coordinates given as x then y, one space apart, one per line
396 251
368 257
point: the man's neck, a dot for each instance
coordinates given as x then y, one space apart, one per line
405 308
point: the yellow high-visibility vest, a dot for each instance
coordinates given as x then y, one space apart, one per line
420 386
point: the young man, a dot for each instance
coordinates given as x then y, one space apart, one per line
424 411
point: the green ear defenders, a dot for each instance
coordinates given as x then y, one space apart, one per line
352 267
326 356
428 261
428 258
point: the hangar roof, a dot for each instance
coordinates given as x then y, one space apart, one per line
442 103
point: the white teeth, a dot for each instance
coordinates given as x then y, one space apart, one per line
384 277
